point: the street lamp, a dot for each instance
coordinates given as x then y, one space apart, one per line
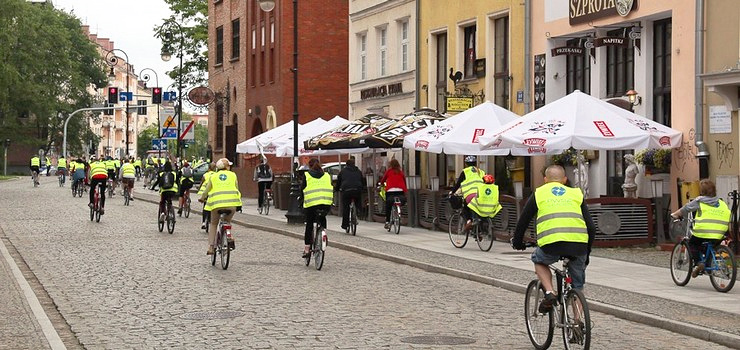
294 214
112 60
166 56
146 77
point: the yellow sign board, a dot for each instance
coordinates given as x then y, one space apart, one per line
170 123
459 104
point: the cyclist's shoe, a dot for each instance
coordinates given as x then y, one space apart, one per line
231 243
102 211
210 251
468 225
179 212
387 225
697 270
203 226
131 198
90 205
576 333
161 217
547 303
306 254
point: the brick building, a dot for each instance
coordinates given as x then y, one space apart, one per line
249 68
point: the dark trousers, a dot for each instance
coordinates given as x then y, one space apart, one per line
206 215
696 249
261 186
347 197
162 200
103 183
311 218
389 199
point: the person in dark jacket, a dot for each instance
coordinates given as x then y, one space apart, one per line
351 183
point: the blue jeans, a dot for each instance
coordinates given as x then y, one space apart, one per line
577 266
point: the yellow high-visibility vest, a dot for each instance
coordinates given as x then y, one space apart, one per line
559 216
318 191
35 161
98 168
486 202
61 163
712 222
473 178
129 170
223 193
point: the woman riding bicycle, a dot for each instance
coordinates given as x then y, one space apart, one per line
711 222
128 176
222 192
395 187
317 195
167 182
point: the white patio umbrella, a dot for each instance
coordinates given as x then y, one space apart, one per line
254 144
583 122
460 133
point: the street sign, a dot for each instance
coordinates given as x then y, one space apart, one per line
169 133
168 111
159 144
124 96
188 130
166 122
169 95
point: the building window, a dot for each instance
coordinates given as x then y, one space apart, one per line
363 57
254 38
235 38
272 30
501 62
620 67
272 49
220 45
578 69
219 126
404 46
383 50
253 61
441 85
662 71
469 51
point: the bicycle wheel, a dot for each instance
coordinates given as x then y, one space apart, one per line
485 234
723 278
170 219
540 327
681 263
60 181
217 247
186 210
396 219
318 253
577 321
92 213
225 251
126 196
97 213
353 220
267 205
458 236
160 223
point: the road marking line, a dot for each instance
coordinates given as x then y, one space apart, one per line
55 342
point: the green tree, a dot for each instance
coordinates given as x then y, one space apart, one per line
192 15
48 66
144 139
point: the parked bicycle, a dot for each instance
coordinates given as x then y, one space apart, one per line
571 313
720 263
319 242
169 217
266 201
224 241
95 210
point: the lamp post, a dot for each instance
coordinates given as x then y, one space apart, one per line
166 56
146 77
5 157
112 60
294 214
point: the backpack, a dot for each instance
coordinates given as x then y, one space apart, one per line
168 181
264 171
187 172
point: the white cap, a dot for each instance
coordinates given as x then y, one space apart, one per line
221 163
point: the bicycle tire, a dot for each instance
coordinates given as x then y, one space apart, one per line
267 206
61 184
160 223
396 219
540 327
126 197
458 236
353 219
225 251
215 248
681 263
485 234
170 219
92 213
576 335
723 278
318 253
187 208
97 215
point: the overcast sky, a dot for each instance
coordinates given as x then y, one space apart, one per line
128 23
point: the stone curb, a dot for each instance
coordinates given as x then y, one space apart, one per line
703 333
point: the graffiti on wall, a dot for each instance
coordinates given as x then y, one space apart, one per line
725 153
686 153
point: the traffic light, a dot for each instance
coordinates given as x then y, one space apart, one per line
186 145
156 95
108 111
113 95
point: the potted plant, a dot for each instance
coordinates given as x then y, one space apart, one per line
569 157
655 161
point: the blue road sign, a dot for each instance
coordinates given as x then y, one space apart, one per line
169 133
125 96
159 144
169 95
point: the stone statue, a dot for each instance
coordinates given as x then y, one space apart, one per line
630 186
581 175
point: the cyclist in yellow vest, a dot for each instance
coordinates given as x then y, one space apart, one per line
318 194
711 221
485 203
77 171
128 176
222 193
137 166
185 181
48 166
98 175
564 228
35 164
468 181
167 182
201 189
62 167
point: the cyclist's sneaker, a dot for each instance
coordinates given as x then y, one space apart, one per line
306 254
576 333
203 226
131 198
102 211
161 217
468 225
387 225
697 270
90 205
210 251
547 303
231 243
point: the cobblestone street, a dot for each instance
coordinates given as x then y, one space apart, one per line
120 284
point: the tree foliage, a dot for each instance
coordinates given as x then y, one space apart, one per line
192 17
47 65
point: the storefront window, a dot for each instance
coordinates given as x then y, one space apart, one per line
441 86
469 51
578 69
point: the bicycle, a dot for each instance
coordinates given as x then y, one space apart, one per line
266 200
319 242
571 314
482 231
186 205
352 218
126 194
720 262
35 178
61 178
75 183
224 241
95 209
110 187
169 217
395 223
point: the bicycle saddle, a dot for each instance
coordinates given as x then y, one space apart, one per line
224 211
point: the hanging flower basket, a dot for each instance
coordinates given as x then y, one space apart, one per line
568 157
655 161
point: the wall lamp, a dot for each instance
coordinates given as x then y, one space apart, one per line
633 97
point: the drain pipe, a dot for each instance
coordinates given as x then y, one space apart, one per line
527 54
701 146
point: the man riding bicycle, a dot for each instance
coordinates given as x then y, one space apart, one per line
137 166
201 189
185 179
98 176
222 192
263 177
168 189
62 167
317 195
711 222
351 182
110 167
35 164
564 228
77 170
128 176
468 181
